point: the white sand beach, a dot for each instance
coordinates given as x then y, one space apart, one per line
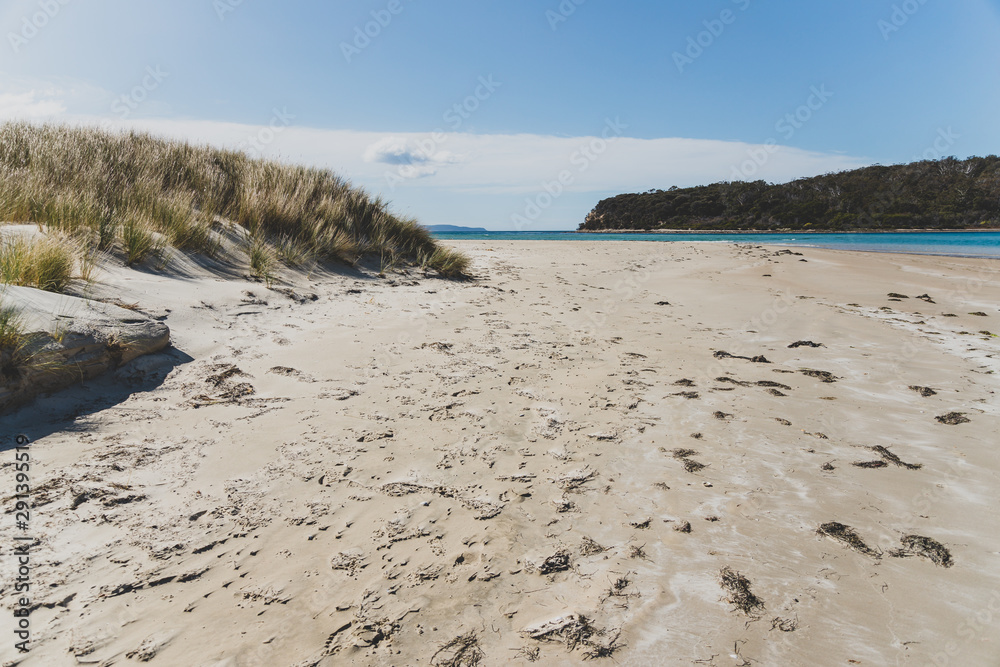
578 454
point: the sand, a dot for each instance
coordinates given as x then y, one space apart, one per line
579 454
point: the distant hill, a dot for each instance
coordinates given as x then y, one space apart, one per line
454 228
939 194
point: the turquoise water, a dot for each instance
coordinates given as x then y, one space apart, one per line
959 244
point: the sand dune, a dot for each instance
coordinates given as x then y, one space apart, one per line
594 450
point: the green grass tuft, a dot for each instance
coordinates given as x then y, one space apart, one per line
44 263
448 262
138 240
11 328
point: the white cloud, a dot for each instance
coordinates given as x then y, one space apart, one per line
31 105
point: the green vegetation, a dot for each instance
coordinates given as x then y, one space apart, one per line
11 328
135 195
941 194
46 263
21 352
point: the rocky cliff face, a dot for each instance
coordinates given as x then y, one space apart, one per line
70 340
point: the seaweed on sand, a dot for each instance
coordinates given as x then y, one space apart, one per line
953 418
572 630
870 464
925 547
557 562
724 378
638 552
740 595
690 465
693 466
588 547
462 651
759 359
576 479
529 653
771 383
805 343
848 536
619 589
600 650
822 376
923 391
889 457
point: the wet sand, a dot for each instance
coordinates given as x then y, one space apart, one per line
601 450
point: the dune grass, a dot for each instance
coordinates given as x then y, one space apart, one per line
11 327
46 262
135 194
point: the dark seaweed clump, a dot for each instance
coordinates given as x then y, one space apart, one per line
740 595
925 547
953 418
822 376
848 536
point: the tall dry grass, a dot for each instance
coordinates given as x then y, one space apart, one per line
133 193
45 263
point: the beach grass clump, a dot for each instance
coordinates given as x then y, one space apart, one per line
11 327
261 257
13 341
20 350
133 193
448 262
45 262
139 241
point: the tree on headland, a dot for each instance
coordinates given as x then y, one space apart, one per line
933 194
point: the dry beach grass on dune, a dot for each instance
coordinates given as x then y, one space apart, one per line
136 196
644 453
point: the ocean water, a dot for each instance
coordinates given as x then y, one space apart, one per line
957 244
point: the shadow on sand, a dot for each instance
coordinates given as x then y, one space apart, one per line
61 411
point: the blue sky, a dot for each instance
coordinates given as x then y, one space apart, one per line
559 104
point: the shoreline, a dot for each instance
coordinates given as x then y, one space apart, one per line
507 237
789 231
